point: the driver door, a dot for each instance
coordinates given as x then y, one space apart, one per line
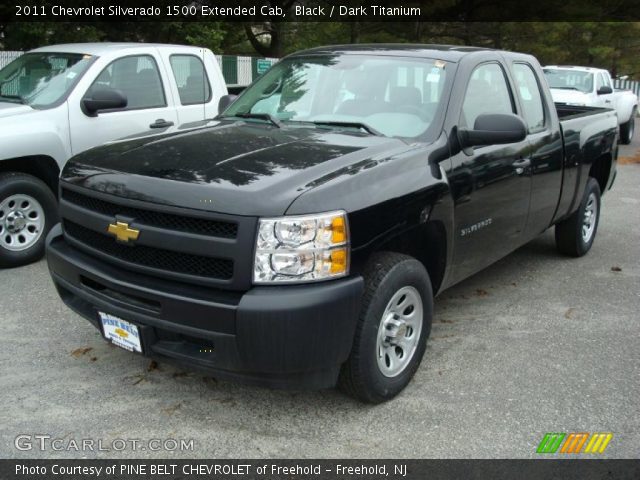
491 184
149 108
603 100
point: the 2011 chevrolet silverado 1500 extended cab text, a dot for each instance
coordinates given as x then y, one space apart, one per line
60 100
299 238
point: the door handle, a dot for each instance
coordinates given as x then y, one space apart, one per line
161 123
520 164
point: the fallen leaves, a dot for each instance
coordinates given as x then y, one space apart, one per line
170 410
569 313
137 379
78 352
629 160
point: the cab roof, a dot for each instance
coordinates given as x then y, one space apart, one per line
451 53
101 48
574 67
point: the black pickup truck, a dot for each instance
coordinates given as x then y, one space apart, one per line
298 239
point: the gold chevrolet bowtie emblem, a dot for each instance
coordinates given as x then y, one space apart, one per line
122 231
121 333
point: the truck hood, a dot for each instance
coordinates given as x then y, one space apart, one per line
10 109
561 95
243 168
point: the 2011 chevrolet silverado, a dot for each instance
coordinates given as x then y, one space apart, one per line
299 238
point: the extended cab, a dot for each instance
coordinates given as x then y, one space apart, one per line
300 237
593 87
61 100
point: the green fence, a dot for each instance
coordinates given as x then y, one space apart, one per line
237 71
241 71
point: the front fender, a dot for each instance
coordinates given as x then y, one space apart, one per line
40 132
386 199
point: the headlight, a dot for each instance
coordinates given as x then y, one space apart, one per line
302 248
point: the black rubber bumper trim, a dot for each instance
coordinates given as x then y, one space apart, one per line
284 336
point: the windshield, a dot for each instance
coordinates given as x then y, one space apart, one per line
570 80
392 96
41 79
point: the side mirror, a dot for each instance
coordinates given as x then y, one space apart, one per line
225 101
493 129
103 99
605 90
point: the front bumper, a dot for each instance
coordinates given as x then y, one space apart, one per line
280 336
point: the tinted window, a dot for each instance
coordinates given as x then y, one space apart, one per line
41 79
137 77
487 92
193 85
566 79
530 97
397 96
599 81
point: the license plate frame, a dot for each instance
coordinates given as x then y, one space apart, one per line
121 332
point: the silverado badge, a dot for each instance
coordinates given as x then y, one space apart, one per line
122 232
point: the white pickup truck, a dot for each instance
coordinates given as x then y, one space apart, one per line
60 100
593 87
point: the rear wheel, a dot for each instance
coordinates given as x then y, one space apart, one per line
575 235
627 129
392 331
27 213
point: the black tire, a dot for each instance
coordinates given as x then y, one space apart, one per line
569 235
21 183
385 274
627 129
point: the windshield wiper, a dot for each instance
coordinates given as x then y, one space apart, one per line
13 97
261 116
360 125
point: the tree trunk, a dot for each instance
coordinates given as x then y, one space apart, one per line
417 32
275 46
354 32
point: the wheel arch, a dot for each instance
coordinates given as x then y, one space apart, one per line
600 170
427 243
40 166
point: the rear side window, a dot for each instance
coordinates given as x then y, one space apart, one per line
530 97
191 78
487 92
137 77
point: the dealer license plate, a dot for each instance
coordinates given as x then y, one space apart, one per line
120 332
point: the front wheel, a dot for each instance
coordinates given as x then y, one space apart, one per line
575 235
27 212
627 129
392 331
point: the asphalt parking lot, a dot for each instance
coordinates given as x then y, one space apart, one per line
536 343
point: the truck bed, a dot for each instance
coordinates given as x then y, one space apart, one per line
582 129
566 112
